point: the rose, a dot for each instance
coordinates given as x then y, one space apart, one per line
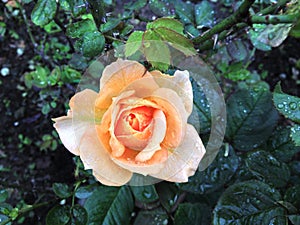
137 123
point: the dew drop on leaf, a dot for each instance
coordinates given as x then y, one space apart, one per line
293 105
280 106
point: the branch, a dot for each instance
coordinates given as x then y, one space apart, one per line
275 19
238 16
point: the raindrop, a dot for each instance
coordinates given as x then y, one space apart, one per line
293 105
16 123
146 194
280 106
245 111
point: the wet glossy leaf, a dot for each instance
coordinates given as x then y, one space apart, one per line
287 105
92 44
43 12
274 35
248 203
161 7
216 175
169 23
156 51
204 15
135 5
76 30
282 145
109 205
238 50
61 190
168 194
185 11
145 194
254 34
109 25
97 9
294 219
201 115
133 43
84 192
176 40
151 217
58 215
3 195
78 7
251 118
196 214
267 168
79 215
292 195
295 134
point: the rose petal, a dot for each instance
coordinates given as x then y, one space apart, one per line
158 135
154 165
184 161
180 83
116 77
176 115
81 116
94 156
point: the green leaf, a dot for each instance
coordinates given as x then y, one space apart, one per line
287 105
145 194
216 175
204 15
78 7
3 195
110 205
58 215
97 10
196 214
292 195
169 23
176 40
254 34
84 192
92 44
43 12
201 115
295 134
110 24
135 5
133 43
267 168
274 35
185 11
152 217
79 215
247 203
168 193
61 190
295 219
76 30
281 144
161 7
251 118
156 51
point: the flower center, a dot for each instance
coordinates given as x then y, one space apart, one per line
139 118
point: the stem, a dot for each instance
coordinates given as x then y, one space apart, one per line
273 8
30 208
238 16
274 19
113 38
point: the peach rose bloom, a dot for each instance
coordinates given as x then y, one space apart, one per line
137 123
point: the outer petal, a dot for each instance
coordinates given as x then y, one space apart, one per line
81 116
94 156
116 77
185 159
179 83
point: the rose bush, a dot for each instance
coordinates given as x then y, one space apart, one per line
137 123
